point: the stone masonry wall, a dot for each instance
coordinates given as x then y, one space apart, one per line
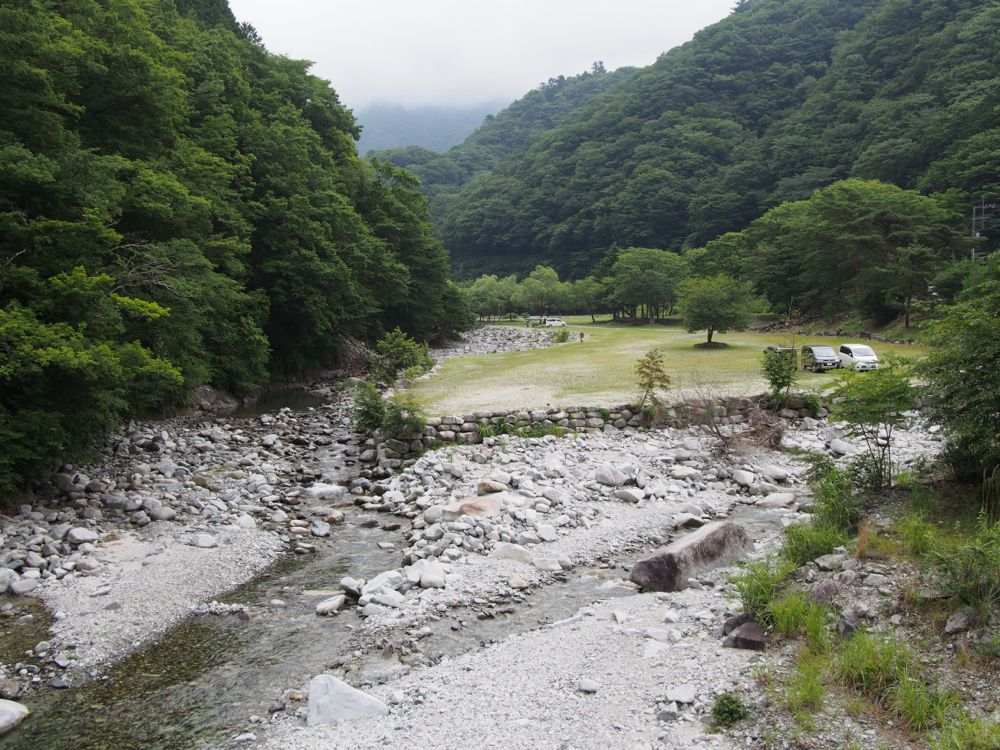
402 451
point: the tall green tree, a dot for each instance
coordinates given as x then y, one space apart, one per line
715 304
647 278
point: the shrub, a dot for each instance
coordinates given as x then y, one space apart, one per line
780 371
918 706
873 404
402 417
652 377
486 430
563 336
814 624
806 542
965 733
917 533
805 688
835 502
757 583
795 614
872 665
369 407
788 613
396 352
727 709
812 402
970 572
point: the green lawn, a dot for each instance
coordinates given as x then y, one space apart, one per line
599 371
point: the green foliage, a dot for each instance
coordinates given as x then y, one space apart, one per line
960 369
727 710
836 504
795 614
807 541
966 733
919 535
61 389
789 612
562 336
812 402
645 279
402 417
369 407
715 304
873 665
970 570
919 706
779 370
757 583
193 208
541 430
873 404
396 352
652 377
806 687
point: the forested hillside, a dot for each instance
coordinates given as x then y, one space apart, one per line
502 136
178 207
779 99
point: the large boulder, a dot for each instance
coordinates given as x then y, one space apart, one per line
670 567
333 700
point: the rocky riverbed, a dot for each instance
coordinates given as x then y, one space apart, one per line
181 511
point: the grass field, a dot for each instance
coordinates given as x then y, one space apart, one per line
599 370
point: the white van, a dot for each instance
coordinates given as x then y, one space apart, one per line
858 357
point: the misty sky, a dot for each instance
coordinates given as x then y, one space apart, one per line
415 52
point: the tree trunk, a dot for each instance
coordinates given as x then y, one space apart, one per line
710 332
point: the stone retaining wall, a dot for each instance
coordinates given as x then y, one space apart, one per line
402 451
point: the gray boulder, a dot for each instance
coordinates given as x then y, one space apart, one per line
670 567
333 700
80 535
11 714
610 476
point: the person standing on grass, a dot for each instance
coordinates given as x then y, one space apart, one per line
581 337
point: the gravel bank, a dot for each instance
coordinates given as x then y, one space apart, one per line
147 582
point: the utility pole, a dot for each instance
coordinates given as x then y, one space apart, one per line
979 217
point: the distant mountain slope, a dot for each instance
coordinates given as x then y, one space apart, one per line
385 126
767 105
538 111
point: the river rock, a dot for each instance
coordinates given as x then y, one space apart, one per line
81 535
432 576
333 700
485 505
841 447
777 500
749 636
609 475
326 491
669 568
23 586
12 713
961 619
681 693
508 551
331 605
7 577
743 477
204 541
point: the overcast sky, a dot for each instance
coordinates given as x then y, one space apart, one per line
415 52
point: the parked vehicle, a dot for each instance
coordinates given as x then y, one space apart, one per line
858 357
820 358
553 322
